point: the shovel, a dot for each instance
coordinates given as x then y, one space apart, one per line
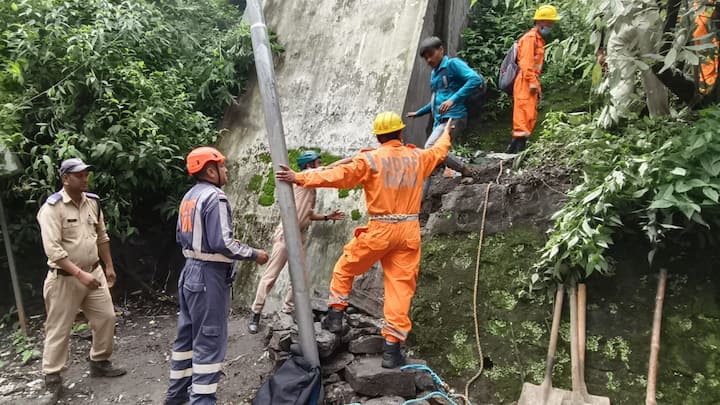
579 395
545 394
582 308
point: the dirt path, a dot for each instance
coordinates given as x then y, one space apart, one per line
142 345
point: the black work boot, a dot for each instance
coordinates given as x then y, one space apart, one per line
333 321
104 368
254 324
393 356
54 388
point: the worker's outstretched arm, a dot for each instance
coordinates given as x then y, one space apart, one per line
346 175
436 154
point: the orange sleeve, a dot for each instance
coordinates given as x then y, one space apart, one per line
526 59
346 175
436 154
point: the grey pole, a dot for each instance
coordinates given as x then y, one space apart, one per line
13 272
278 153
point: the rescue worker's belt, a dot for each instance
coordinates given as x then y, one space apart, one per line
206 257
86 269
394 217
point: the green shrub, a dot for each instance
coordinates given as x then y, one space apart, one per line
130 86
659 177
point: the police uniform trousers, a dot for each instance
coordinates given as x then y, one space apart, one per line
63 295
201 343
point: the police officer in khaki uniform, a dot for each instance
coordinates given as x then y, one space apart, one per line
75 242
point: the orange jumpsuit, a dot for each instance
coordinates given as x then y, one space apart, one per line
708 68
392 178
530 57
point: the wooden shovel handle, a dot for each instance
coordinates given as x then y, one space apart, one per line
582 305
581 324
575 367
550 361
655 340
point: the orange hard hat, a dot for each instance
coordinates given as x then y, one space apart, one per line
199 157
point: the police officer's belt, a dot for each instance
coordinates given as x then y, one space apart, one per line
206 257
394 217
86 269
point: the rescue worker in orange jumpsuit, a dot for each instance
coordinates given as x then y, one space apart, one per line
392 178
709 67
526 89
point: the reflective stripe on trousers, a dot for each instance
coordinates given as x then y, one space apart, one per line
201 343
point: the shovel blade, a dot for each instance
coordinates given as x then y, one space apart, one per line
536 395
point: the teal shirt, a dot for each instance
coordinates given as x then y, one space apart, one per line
460 83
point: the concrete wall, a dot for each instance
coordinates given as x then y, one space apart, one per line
344 61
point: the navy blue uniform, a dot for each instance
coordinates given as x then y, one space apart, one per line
204 231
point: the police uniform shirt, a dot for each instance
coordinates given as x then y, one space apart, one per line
71 231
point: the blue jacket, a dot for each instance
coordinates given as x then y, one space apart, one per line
461 82
204 227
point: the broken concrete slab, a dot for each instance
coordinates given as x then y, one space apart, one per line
283 321
367 377
340 393
355 333
386 401
336 363
370 344
327 341
363 321
281 341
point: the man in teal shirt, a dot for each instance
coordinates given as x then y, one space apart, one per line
451 82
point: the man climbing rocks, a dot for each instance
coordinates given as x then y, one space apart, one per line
305 204
526 89
391 177
451 82
205 233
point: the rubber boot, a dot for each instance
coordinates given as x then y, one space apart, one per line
105 368
517 145
254 324
393 356
333 321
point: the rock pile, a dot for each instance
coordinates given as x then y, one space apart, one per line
350 361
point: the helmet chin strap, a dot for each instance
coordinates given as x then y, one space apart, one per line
217 170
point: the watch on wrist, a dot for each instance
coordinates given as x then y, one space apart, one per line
326 217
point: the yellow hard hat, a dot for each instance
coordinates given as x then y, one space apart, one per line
387 122
546 13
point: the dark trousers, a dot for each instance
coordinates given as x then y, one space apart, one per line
201 343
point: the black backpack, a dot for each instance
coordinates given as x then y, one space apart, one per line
475 101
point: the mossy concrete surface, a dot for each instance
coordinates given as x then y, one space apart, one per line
514 322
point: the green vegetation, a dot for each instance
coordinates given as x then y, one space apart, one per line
355 215
24 347
658 177
130 86
514 323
